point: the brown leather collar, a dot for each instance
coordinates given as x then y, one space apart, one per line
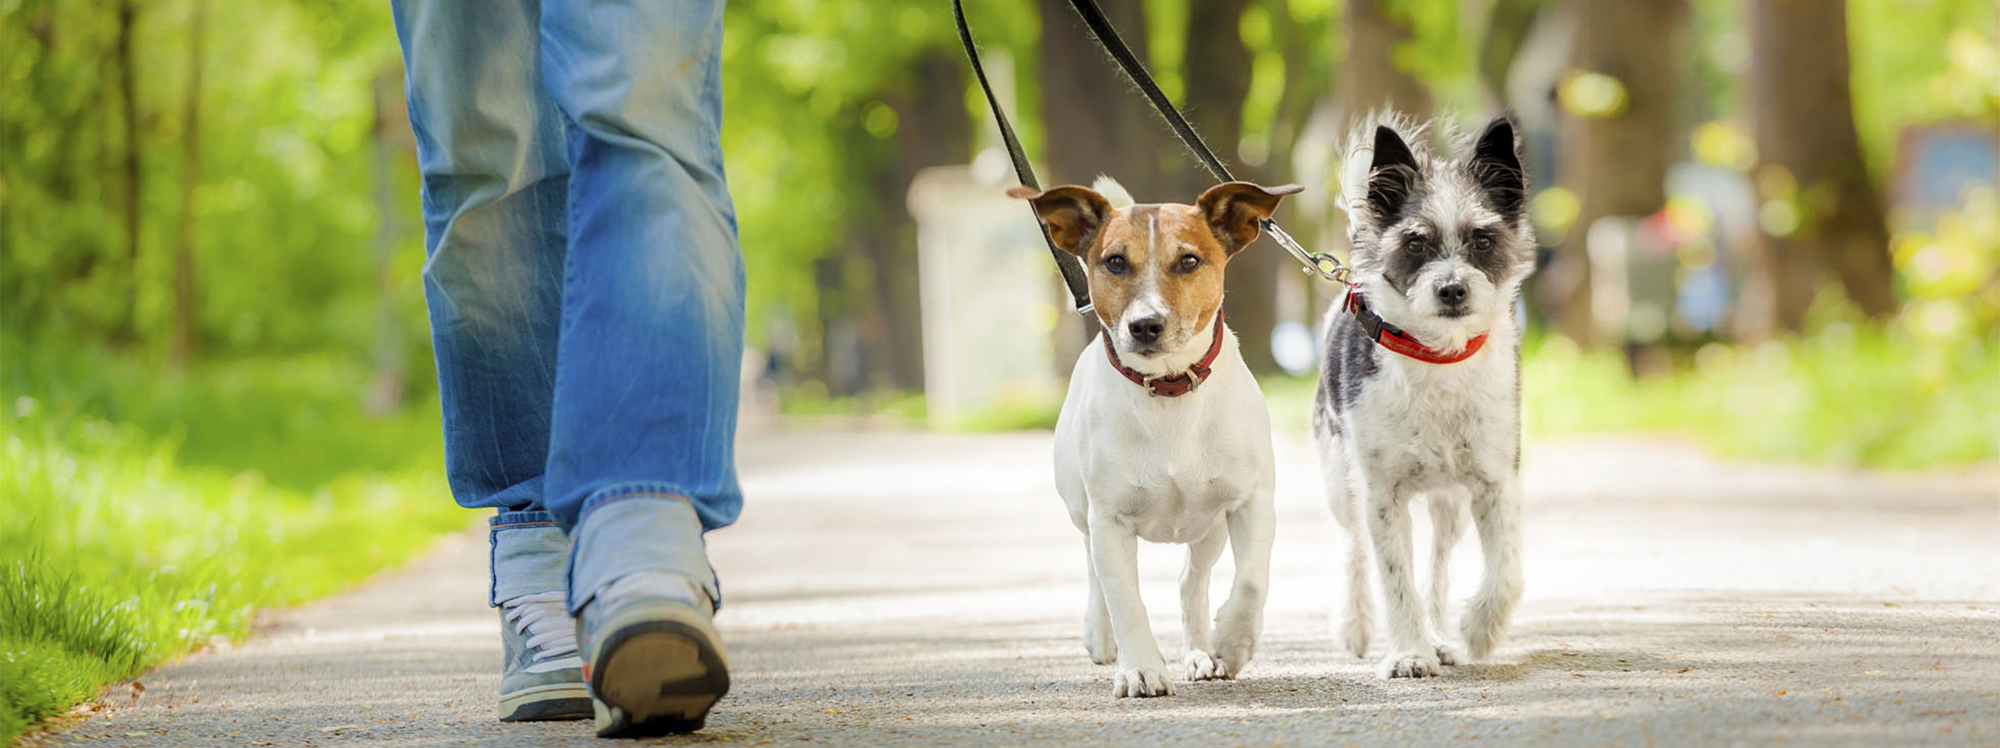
1178 384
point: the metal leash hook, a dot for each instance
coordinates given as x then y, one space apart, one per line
1326 266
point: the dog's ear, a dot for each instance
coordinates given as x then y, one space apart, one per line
1392 177
1234 210
1071 214
1496 167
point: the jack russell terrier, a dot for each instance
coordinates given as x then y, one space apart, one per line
1420 394
1164 434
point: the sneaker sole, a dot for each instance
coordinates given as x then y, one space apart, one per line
657 677
560 701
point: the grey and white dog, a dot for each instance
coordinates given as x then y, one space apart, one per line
1414 401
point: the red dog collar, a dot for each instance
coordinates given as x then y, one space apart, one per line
1178 384
1393 338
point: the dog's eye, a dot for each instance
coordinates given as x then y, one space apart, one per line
1415 242
1115 264
1482 242
1188 263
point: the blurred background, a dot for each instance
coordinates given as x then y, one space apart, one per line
1769 226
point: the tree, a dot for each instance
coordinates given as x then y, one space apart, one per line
1217 71
181 345
394 148
1821 212
935 130
1370 78
1507 25
1092 123
1617 132
128 101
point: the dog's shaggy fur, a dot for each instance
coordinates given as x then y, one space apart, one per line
1442 244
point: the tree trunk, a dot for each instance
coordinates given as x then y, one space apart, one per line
1507 26
1804 123
392 141
1370 79
1217 71
182 346
1093 123
128 99
1615 161
935 130
1308 75
878 280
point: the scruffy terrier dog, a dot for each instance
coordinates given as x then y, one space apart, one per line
1420 391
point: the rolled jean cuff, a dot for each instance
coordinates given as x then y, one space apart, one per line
528 555
632 528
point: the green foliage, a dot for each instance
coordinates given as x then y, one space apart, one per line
1902 69
1441 52
140 519
283 206
802 82
1844 396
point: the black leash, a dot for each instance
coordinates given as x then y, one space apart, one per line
1321 264
1072 268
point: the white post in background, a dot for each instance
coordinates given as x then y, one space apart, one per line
987 293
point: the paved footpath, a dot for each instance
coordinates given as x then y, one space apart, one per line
912 589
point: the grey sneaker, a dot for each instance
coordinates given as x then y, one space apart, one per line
652 657
541 676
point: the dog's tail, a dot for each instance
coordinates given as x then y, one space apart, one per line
1112 191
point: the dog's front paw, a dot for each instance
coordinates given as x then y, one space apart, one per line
1204 666
1102 646
1236 641
1409 665
1141 682
1483 633
1354 633
1448 655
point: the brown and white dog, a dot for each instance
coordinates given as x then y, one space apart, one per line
1164 434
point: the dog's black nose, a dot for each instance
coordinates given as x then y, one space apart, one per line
1146 329
1452 294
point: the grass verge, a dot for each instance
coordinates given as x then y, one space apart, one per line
143 515
1843 396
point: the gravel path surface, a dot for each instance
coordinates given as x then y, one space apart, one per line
910 589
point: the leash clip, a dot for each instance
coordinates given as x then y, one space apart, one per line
1329 267
1321 264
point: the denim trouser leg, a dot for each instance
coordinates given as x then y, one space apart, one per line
585 288
641 450
495 171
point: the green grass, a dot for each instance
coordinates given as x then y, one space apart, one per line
142 514
1866 398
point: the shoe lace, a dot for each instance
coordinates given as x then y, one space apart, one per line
542 618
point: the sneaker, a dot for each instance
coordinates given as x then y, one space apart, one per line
541 676
653 660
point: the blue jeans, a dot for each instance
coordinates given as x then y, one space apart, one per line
584 282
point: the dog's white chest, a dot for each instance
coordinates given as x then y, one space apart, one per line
1168 468
1174 493
1438 420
